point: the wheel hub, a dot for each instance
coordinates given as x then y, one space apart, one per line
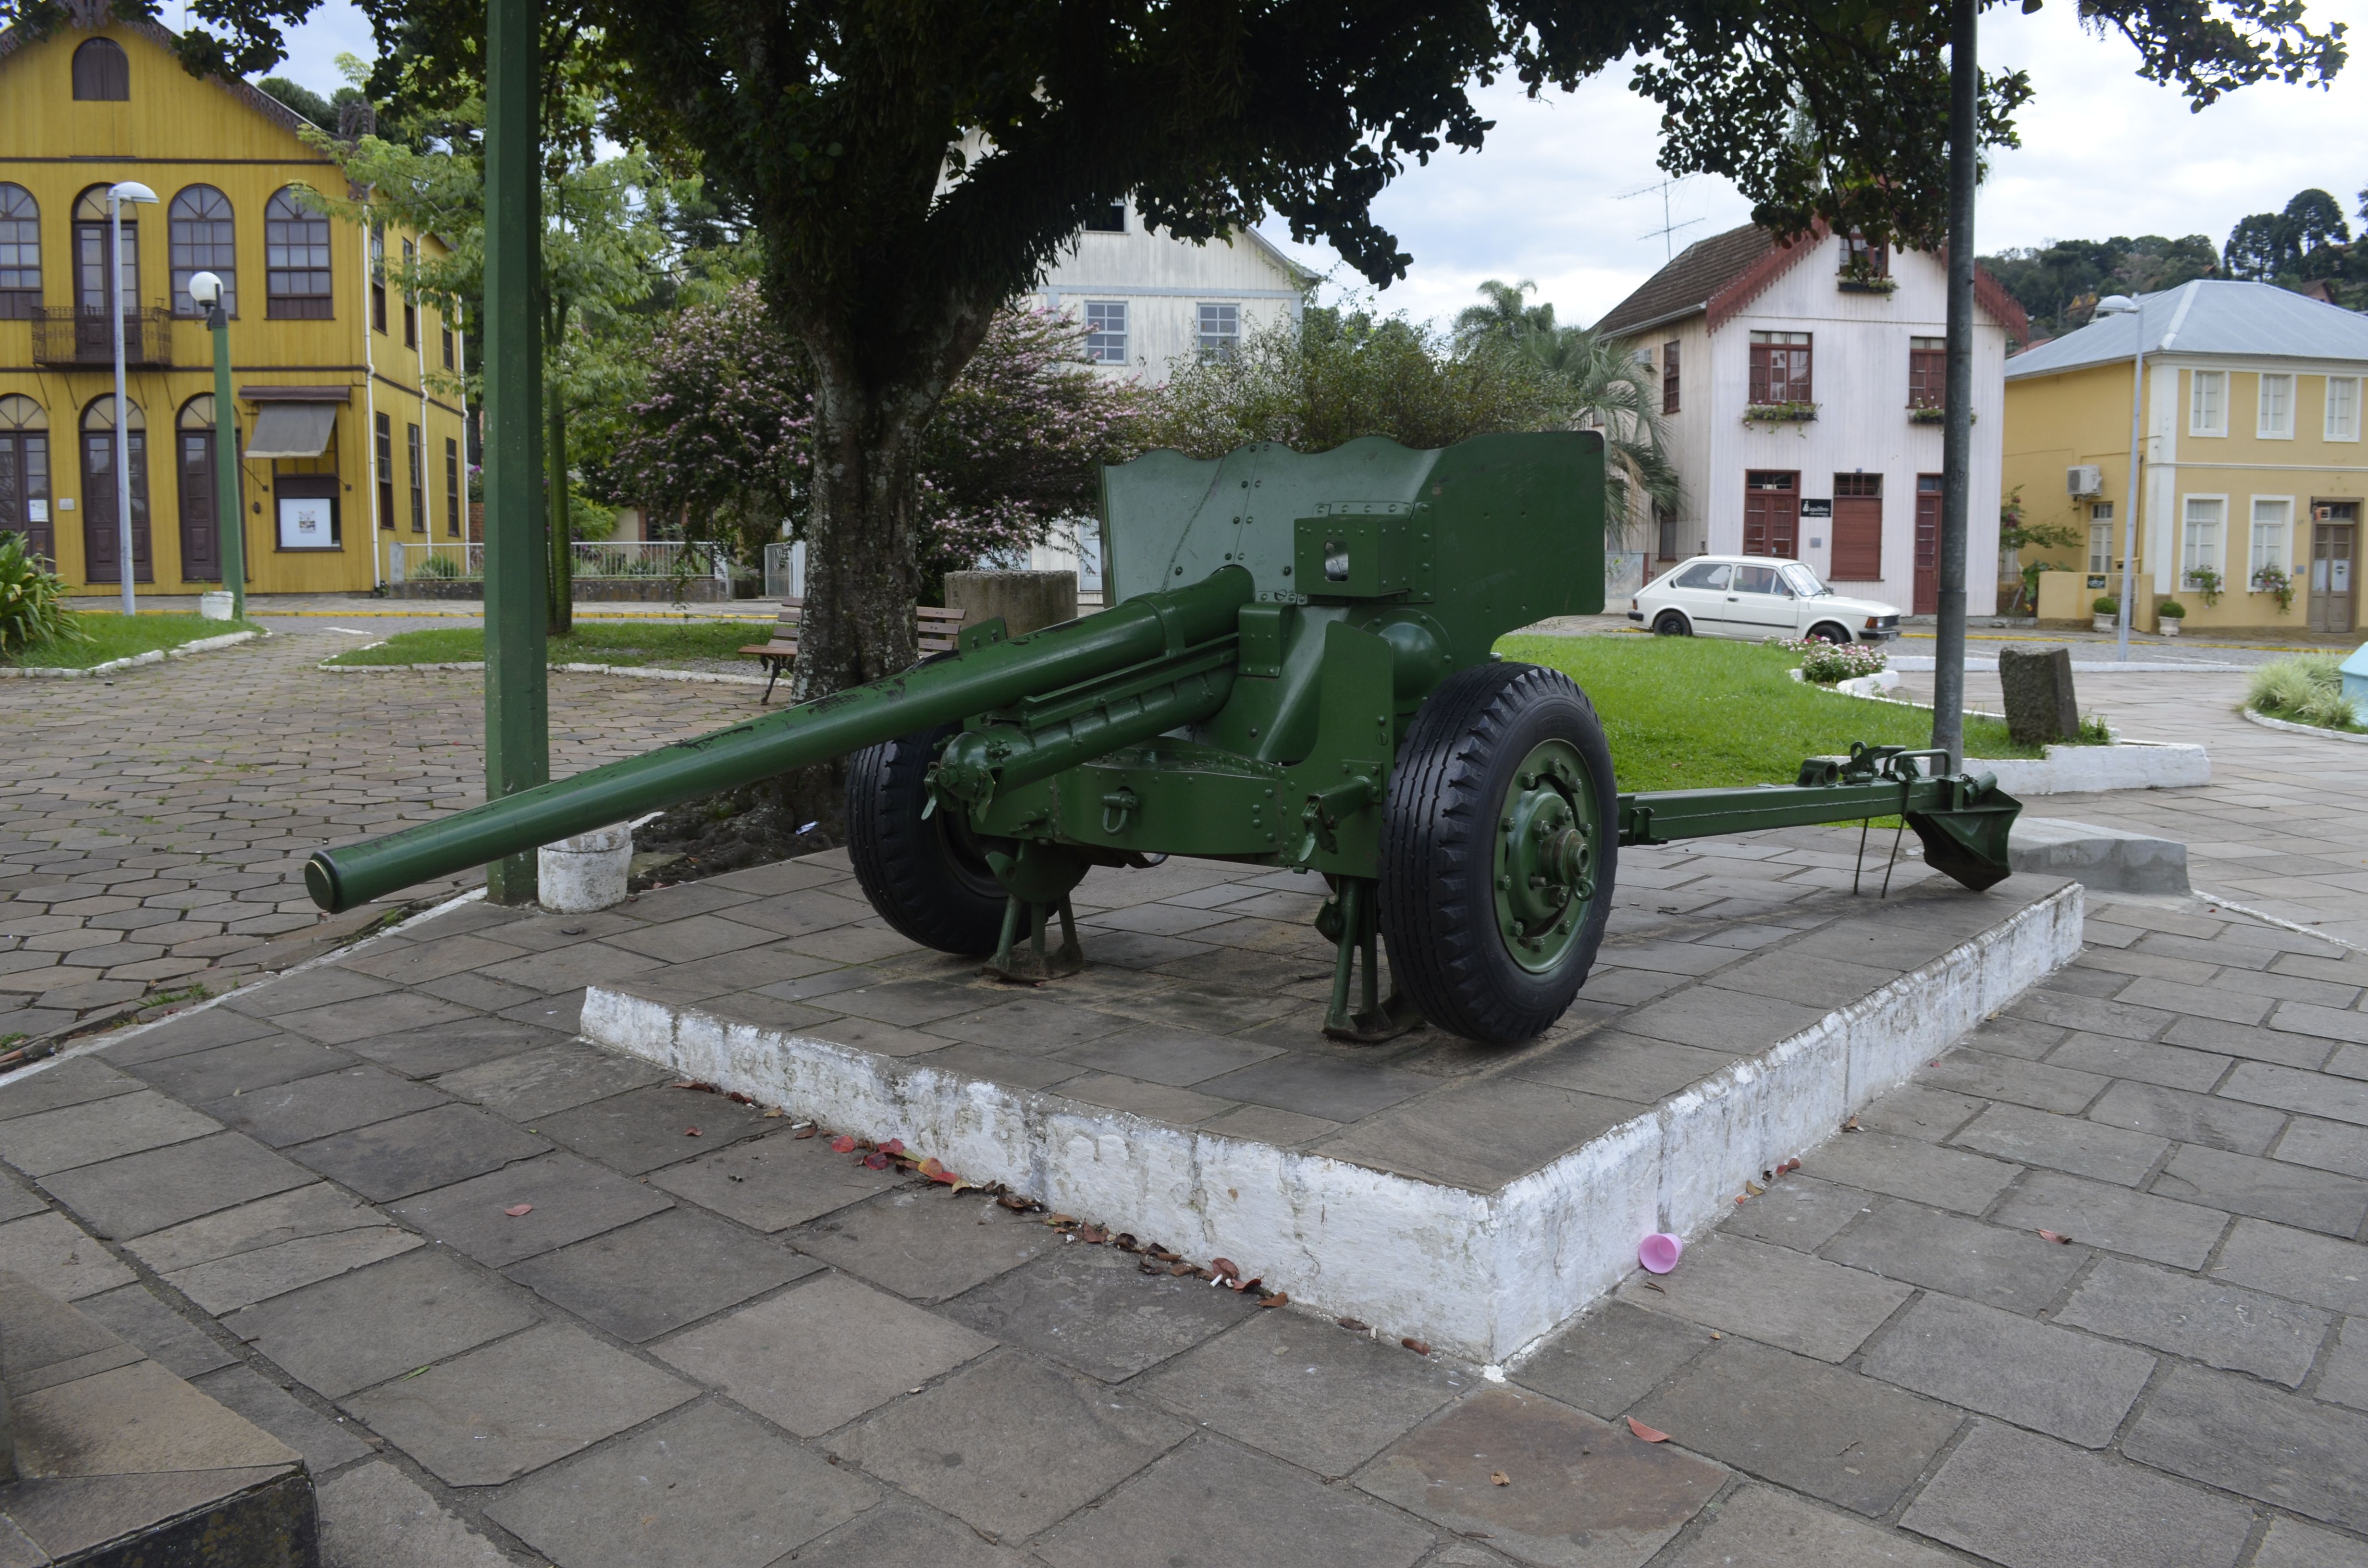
1544 857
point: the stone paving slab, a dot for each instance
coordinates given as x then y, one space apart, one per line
1895 1293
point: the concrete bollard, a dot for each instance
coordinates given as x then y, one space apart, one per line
578 875
1028 601
214 605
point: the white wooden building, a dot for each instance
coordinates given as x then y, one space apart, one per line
1802 396
1150 300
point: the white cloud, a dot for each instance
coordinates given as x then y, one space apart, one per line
2103 153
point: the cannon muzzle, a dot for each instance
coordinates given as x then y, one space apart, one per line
1143 631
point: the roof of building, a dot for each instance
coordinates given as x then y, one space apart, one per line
85 14
1719 275
2210 316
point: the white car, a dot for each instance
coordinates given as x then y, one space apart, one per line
1754 598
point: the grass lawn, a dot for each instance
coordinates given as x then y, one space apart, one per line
114 636
654 641
1697 713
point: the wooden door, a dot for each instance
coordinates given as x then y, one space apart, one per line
1927 545
25 491
2334 550
1771 513
201 548
98 535
1858 529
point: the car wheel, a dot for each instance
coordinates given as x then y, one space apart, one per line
1827 631
1671 624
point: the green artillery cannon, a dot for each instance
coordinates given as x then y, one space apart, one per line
1297 672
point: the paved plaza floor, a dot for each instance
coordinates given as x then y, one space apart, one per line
2090 1290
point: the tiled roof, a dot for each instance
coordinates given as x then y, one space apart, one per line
1687 284
1721 275
2210 316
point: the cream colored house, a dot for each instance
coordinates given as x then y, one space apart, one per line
2252 471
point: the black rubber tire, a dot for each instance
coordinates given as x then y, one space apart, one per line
1437 901
926 877
1827 631
1669 624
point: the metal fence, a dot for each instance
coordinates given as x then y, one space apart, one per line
453 561
785 572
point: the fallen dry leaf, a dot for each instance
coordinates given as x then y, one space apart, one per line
1788 1166
516 1210
692 1132
1057 1220
1226 1267
1092 1236
875 1161
1851 1126
1178 1270
843 1144
1498 1478
2052 1236
1647 1433
930 1168
736 1098
1354 1325
894 1146
1754 1188
777 1111
700 1085
1655 1288
1277 1299
955 1183
1251 1284
1417 1346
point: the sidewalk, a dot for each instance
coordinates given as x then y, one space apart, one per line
520 1301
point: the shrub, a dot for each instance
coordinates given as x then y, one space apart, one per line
1826 663
440 566
2171 609
2105 603
2305 689
33 606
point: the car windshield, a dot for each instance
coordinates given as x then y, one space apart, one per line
1805 582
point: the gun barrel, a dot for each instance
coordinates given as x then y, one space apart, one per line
1143 629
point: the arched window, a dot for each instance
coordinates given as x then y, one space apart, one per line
101 73
101 542
201 232
20 253
25 474
295 259
93 247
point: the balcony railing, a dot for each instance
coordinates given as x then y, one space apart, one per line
79 335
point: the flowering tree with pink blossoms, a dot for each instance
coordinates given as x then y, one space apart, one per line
723 442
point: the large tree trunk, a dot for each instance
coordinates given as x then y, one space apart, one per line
862 574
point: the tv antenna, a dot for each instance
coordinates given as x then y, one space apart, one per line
1668 228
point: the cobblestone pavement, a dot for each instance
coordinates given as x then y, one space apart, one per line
152 826
512 1310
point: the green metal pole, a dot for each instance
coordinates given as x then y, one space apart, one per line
230 528
518 735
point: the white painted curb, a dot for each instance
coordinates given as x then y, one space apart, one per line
2290 727
2068 770
153 656
1480 1274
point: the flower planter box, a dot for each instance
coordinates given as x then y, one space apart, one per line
2106 622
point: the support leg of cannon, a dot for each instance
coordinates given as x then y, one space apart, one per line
1358 930
1032 965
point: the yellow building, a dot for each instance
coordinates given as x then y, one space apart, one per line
346 447
2251 462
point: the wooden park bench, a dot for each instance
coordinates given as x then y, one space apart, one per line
935 628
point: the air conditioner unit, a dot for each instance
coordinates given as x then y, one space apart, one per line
2085 479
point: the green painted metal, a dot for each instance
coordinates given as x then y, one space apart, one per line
517 729
1285 618
983 679
230 513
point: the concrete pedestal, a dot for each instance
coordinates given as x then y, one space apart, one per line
1026 601
578 875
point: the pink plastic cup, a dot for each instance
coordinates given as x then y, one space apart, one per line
1659 1252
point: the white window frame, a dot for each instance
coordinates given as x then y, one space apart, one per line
2348 429
2196 423
2189 558
1100 353
1213 345
2281 553
2101 533
2283 427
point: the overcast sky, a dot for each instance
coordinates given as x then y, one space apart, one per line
1549 197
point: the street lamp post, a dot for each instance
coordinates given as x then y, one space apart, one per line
2123 305
116 194
230 528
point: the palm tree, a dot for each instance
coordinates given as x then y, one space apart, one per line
1506 318
1611 390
